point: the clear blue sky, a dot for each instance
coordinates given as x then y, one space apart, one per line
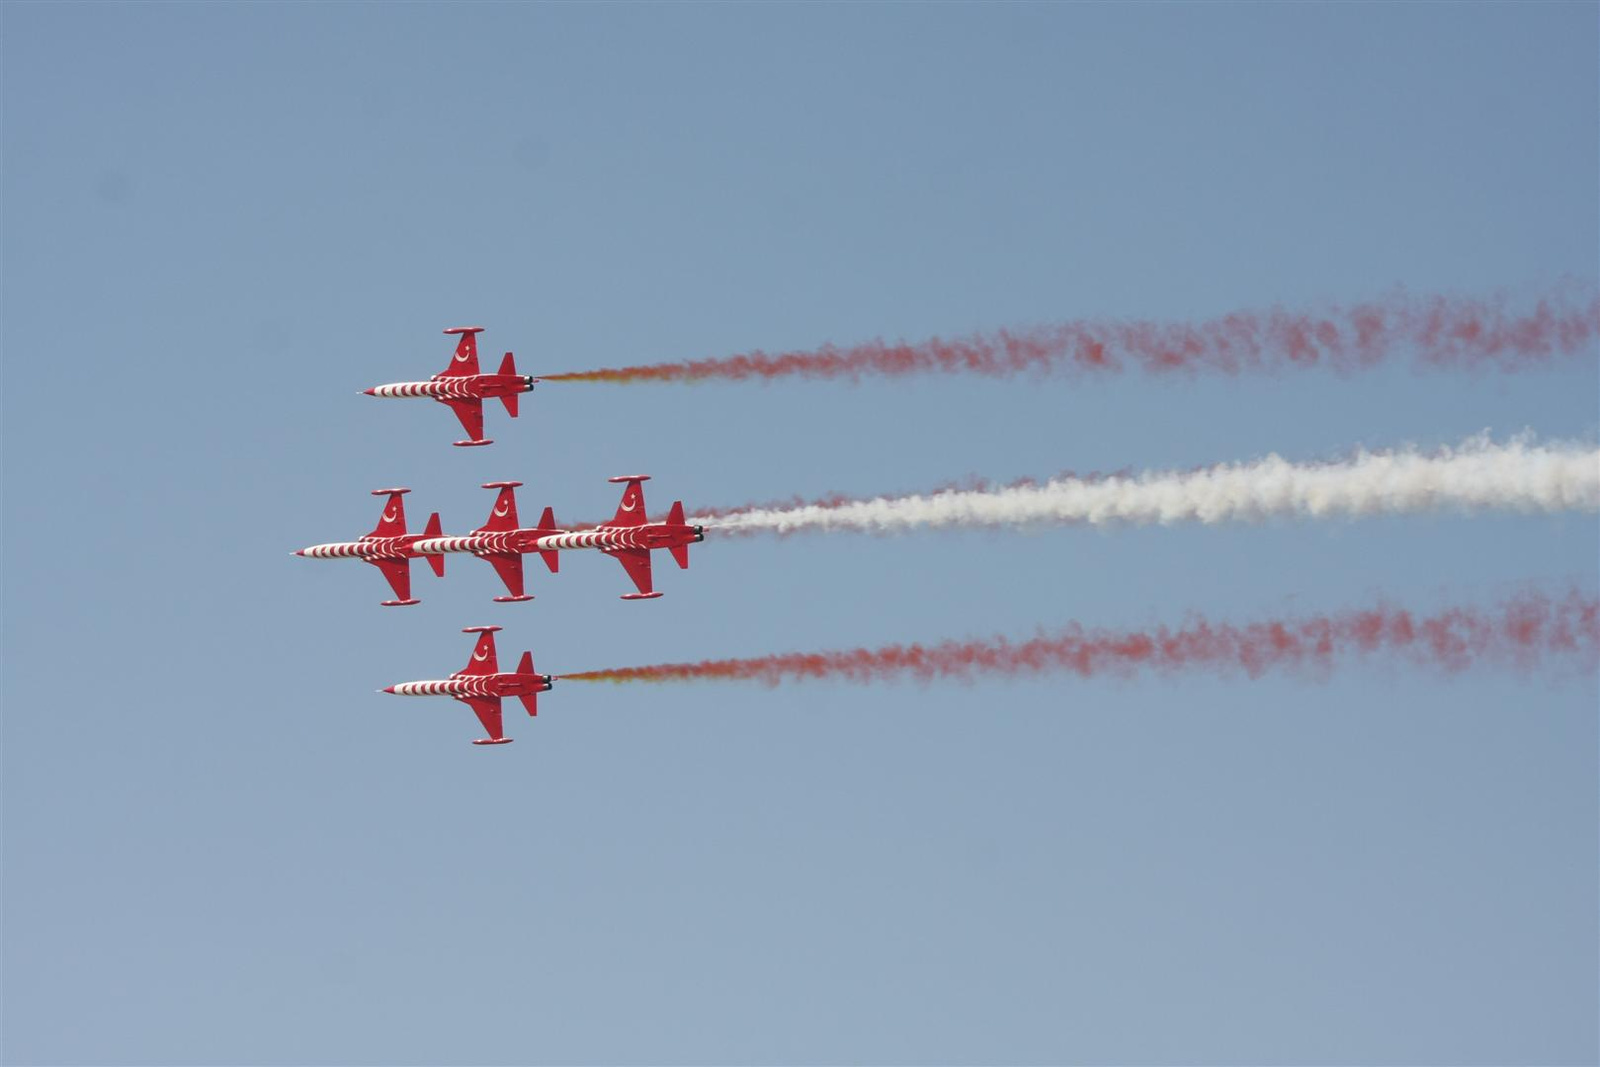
222 846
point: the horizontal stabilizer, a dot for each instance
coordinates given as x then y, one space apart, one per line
529 700
434 529
547 525
680 553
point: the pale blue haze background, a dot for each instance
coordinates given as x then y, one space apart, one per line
221 846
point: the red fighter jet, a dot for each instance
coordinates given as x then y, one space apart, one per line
388 547
463 388
481 686
628 538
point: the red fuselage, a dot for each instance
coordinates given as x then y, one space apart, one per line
476 685
649 536
403 547
458 387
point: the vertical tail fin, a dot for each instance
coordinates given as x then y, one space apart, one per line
547 525
531 700
434 529
392 521
503 516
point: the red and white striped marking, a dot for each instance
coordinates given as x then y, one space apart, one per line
460 388
517 541
482 685
503 541
625 537
366 548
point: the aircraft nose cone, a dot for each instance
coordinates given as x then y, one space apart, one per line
387 689
298 552
368 392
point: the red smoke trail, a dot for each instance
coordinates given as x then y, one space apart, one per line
1442 331
1521 633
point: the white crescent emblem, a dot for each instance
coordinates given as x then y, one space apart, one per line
627 506
387 517
461 357
481 656
502 510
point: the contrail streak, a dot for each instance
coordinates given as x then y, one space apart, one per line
1478 475
1439 331
1522 633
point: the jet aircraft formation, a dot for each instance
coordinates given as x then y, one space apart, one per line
628 537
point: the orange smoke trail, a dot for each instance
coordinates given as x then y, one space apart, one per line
1521 632
1439 331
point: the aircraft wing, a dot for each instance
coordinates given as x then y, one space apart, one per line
470 412
509 566
636 561
465 360
398 571
488 711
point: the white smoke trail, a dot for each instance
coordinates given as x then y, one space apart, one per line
1478 475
